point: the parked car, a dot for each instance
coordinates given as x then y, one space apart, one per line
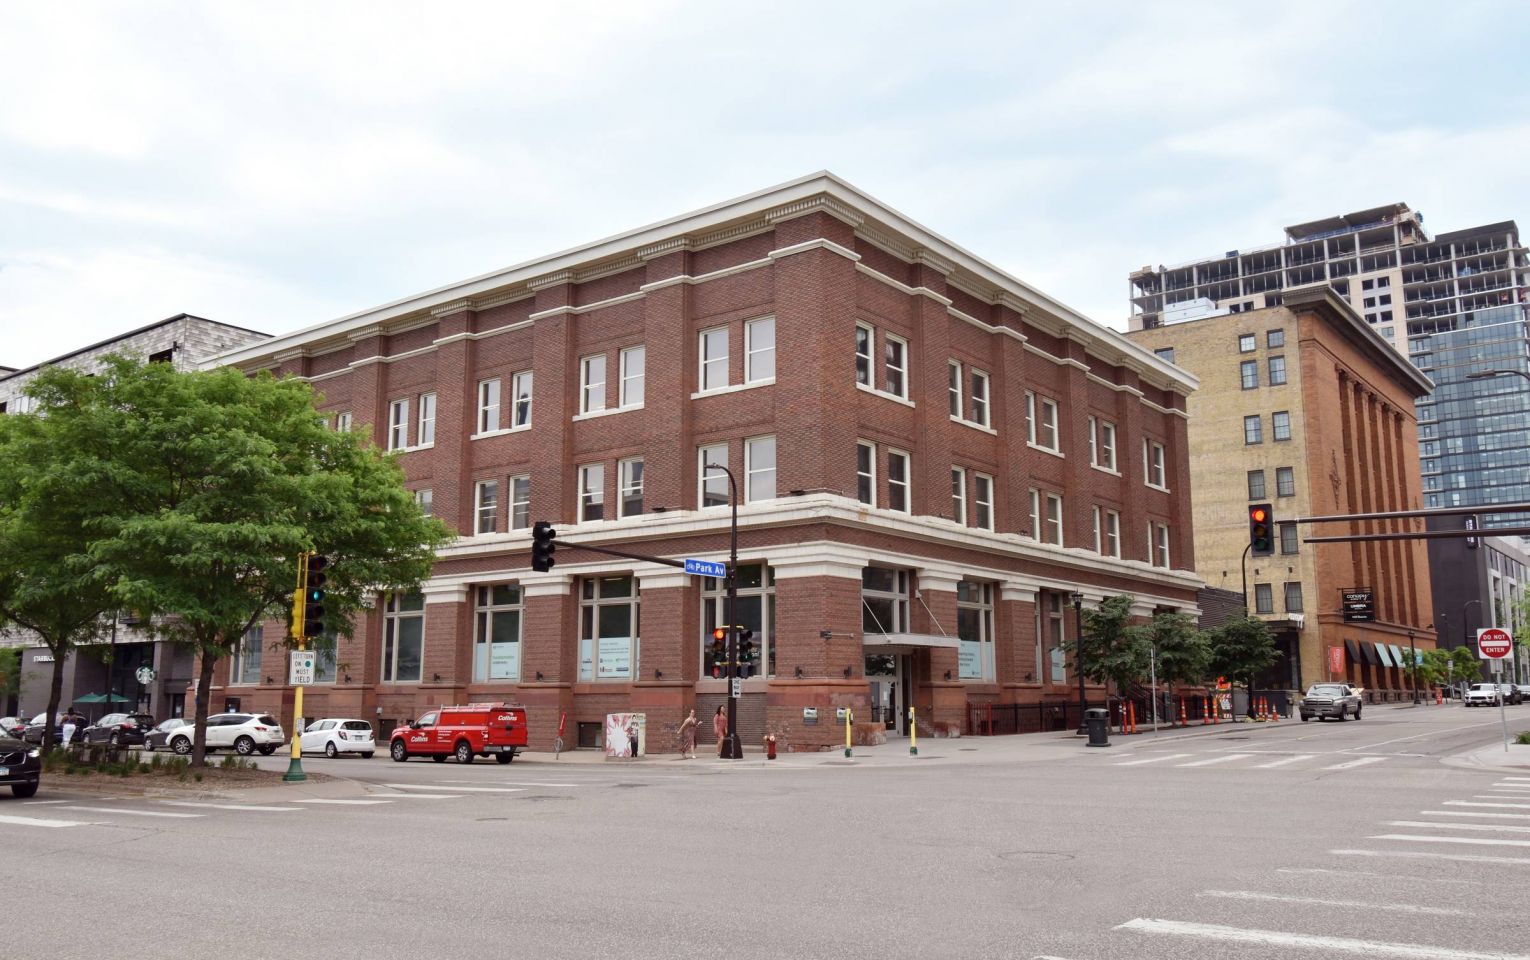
159 737
119 729
334 736
1324 700
495 730
245 733
1484 695
20 766
34 731
1511 694
12 727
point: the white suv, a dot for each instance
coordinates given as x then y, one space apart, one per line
1484 695
245 733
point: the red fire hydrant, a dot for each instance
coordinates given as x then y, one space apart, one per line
770 746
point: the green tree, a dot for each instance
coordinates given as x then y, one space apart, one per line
1114 650
1182 649
48 583
208 485
1240 649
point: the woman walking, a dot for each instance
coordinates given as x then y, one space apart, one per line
720 727
688 736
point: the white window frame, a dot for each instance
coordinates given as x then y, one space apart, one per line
1054 518
592 393
714 606
630 393
517 381
1154 464
394 612
425 499
983 606
959 495
709 365
592 491
1037 411
980 399
485 611
425 432
954 388
904 487
867 358
398 424
982 506
1161 545
869 450
253 639
752 471
488 405
589 627
485 507
720 478
1102 445
629 478
343 421
889 342
1035 498
520 506
1107 532
759 361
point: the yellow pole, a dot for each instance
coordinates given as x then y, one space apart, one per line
913 734
847 731
295 772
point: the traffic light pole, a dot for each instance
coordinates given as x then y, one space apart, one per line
295 772
732 748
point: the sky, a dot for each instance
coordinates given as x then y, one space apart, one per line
276 165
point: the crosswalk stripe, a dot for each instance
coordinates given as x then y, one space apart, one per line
1498 796
1509 785
1473 813
42 822
425 796
1350 764
357 803
1307 941
1284 760
1468 803
136 813
1435 855
1348 904
1138 763
1210 760
228 806
1490 827
412 786
515 783
1480 841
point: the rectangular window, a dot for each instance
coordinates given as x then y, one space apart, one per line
980 398
895 365
1051 636
403 637
1112 534
630 479
760 350
865 344
592 492
1277 371
343 422
982 500
608 628
1041 419
398 425
756 611
1159 544
1264 598
866 473
1285 482
1054 522
1165 354
247 656
1153 464
897 481
959 495
632 361
974 630
759 469
1248 373
425 499
592 383
1256 484
520 503
1102 444
520 396
486 506
1247 343
712 484
954 388
1280 421
1288 541
1035 514
714 359
497 640
1253 430
488 406
1275 338
427 428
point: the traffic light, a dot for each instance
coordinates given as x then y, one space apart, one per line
746 652
542 546
719 650
1261 524
314 579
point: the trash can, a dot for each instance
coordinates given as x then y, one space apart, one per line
1097 720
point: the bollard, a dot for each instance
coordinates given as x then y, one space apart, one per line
847 731
913 734
1097 720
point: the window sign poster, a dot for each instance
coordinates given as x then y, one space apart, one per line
968 659
615 657
505 661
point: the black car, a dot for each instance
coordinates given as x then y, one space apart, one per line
159 737
119 729
20 766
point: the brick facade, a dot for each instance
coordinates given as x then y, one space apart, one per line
819 258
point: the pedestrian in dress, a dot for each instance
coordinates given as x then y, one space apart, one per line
69 728
720 727
688 736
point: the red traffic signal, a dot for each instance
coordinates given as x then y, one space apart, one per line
1261 539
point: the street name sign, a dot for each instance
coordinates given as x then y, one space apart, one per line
1493 643
300 668
706 568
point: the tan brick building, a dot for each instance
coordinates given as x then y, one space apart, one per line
931 456
1305 407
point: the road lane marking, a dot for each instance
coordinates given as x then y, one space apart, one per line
1209 761
1432 855
43 822
1474 813
1347 904
1492 827
228 806
136 813
1283 761
1468 803
1518 779
1138 763
411 786
340 802
38 803
1351 764
1311 942
1479 841
514 783
1371 873
424 796
1416 736
1498 796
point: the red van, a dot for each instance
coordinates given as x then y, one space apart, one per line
495 730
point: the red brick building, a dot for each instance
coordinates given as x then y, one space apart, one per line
931 455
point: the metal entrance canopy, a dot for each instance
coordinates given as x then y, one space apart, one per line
891 640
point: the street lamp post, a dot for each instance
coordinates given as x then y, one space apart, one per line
732 749
1078 656
1413 655
1466 632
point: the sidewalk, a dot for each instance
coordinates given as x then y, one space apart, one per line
1516 758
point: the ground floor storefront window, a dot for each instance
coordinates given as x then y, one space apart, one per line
608 628
497 629
756 612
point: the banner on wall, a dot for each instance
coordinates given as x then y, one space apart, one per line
1336 660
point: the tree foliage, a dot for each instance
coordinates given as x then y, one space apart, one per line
1182 649
1240 649
204 487
1114 650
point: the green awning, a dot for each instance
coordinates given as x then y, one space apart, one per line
102 698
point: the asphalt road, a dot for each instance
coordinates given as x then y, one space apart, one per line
1285 841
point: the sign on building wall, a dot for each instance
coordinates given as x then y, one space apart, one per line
1336 660
1359 605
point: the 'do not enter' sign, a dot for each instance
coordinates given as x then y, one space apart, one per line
1493 643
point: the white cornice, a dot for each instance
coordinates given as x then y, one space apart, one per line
455 306
553 279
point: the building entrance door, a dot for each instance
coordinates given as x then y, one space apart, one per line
890 677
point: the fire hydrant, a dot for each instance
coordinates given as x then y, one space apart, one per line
770 746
